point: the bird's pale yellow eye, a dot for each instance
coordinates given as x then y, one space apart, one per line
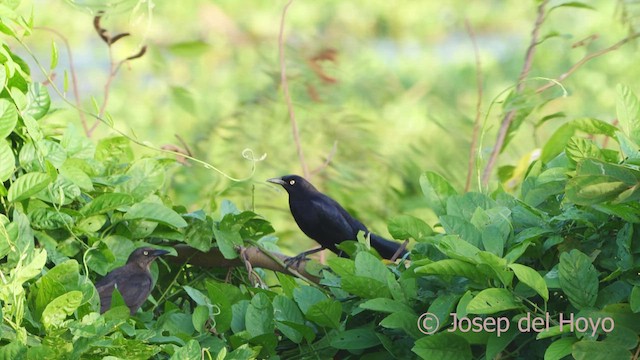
145 253
291 182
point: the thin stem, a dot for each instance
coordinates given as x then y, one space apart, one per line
287 95
508 118
477 121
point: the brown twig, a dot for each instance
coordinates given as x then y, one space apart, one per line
508 118
74 77
476 123
327 161
586 59
114 67
287 95
252 255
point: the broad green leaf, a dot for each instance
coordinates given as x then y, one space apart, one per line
342 266
494 267
49 219
598 181
443 345
191 350
493 300
221 296
498 341
7 161
8 117
227 240
532 279
61 279
559 348
22 274
365 287
114 149
200 317
406 226
144 178
307 296
386 306
199 233
598 350
76 176
630 149
28 185
325 313
286 310
628 112
355 339
452 267
107 202
580 148
57 310
38 101
558 141
155 212
436 190
634 299
578 279
259 316
455 248
367 265
465 205
403 320
462 228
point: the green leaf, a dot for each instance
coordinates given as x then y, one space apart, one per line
107 202
7 160
57 310
493 300
579 148
191 350
199 318
630 149
367 265
227 240
144 178
365 287
598 350
386 306
559 348
403 320
597 181
155 212
259 316
452 267
436 190
628 112
355 339
325 313
634 299
76 176
8 117
558 141
578 279
532 279
38 101
443 345
54 56
406 226
307 296
28 185
22 274
287 312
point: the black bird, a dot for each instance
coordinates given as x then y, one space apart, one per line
325 221
133 280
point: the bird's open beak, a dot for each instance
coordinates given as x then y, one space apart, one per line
276 181
159 252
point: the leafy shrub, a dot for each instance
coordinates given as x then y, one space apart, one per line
549 272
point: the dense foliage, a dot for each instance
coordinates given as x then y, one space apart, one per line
544 267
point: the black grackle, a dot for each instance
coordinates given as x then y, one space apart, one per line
133 280
325 221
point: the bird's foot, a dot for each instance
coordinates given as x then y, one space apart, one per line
294 261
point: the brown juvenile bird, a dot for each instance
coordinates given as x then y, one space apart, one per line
327 222
133 280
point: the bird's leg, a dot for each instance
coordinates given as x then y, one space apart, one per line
295 260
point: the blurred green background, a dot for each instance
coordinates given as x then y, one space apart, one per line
391 83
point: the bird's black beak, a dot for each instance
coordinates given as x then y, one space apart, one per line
159 252
276 181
